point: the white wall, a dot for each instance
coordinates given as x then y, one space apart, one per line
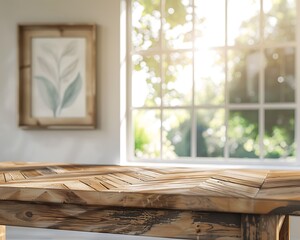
99 146
96 146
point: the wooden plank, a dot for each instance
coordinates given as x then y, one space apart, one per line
2 178
246 177
284 233
2 232
31 173
17 175
95 184
102 180
46 171
260 227
280 193
170 188
58 169
77 185
140 175
7 177
13 176
110 179
150 173
130 221
230 188
178 200
127 178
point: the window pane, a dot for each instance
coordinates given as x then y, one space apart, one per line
243 75
178 24
146 24
224 61
178 79
209 23
243 22
279 140
243 134
209 77
210 133
280 20
176 133
146 125
280 75
145 81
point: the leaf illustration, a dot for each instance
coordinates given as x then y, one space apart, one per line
48 49
47 68
67 72
72 92
48 93
70 49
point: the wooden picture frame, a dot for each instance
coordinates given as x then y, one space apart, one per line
57 76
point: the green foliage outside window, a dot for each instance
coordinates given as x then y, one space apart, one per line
159 75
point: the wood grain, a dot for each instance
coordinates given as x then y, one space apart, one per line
143 222
235 191
2 232
188 203
26 67
261 227
284 233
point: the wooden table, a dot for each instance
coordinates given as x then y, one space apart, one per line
186 203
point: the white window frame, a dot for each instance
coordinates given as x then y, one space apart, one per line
127 135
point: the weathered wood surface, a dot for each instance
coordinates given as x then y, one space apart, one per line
2 233
131 221
220 190
161 202
236 191
261 227
285 229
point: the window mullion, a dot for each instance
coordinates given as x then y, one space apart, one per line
162 80
163 52
261 89
226 146
130 132
193 113
297 95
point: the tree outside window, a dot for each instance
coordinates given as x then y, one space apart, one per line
204 86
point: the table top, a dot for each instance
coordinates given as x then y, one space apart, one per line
220 190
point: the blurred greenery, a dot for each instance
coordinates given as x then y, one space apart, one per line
279 138
178 17
243 134
145 24
242 79
280 75
280 22
177 129
146 134
244 72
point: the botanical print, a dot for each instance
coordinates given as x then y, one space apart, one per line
58 75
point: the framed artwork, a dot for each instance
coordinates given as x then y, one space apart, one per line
57 76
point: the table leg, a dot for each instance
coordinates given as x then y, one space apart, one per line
2 233
264 227
284 233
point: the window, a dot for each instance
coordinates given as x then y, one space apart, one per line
212 79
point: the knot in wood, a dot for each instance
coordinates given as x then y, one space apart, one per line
29 214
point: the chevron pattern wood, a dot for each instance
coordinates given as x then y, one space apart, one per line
184 195
241 191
